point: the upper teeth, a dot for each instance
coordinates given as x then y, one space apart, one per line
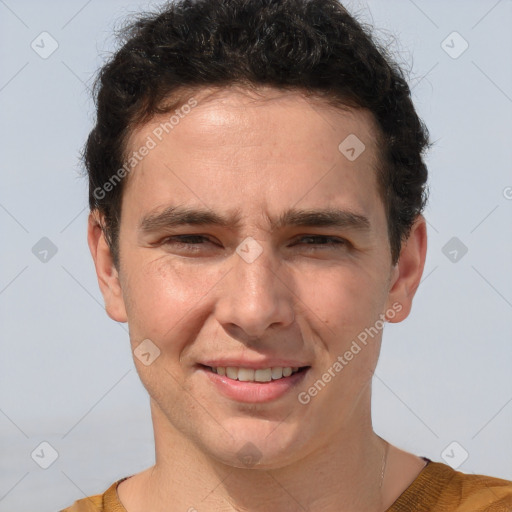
250 375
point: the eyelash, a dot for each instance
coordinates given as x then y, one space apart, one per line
194 246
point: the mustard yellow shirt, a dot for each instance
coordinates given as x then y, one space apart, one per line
437 488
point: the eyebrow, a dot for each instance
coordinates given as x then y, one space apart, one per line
176 216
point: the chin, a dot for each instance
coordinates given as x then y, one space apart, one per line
256 444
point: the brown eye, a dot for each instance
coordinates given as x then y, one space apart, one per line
186 243
181 240
323 240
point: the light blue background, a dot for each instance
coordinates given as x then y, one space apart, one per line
67 375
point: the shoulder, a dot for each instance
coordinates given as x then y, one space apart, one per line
106 502
477 493
89 504
446 490
439 488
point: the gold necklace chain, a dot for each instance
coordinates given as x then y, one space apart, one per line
384 461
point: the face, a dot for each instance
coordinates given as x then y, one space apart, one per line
250 240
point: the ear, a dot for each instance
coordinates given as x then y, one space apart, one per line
406 274
108 277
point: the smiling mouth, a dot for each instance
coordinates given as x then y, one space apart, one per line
260 376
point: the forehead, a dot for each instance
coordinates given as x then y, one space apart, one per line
255 149
222 113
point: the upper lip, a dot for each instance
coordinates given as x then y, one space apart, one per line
254 364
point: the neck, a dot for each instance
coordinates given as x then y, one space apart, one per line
344 474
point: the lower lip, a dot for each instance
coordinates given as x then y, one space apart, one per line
254 392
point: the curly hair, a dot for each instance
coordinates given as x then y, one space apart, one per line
314 46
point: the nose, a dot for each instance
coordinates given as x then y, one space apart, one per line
256 296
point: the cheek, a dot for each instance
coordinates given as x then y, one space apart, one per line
344 300
344 306
167 299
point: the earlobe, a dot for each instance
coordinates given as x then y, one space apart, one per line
408 271
106 272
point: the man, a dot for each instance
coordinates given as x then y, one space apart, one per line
256 189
